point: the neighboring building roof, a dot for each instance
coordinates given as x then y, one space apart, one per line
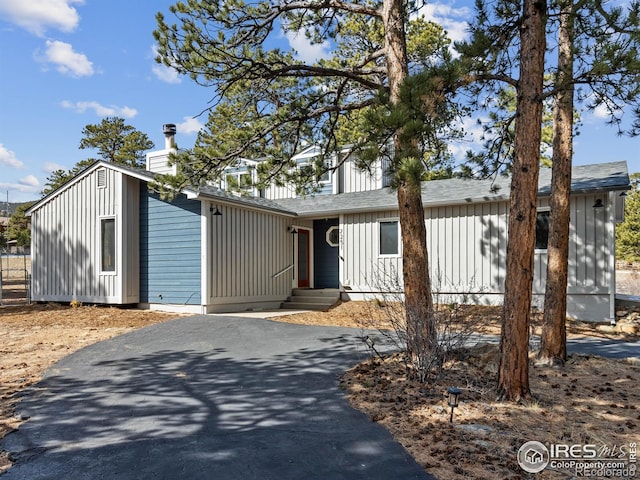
456 191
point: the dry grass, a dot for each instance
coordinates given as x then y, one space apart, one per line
590 400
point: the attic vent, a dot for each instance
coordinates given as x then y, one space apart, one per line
102 178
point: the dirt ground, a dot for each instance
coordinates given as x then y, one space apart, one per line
590 400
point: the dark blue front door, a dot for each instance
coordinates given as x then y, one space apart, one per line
325 254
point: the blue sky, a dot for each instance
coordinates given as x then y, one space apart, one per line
69 63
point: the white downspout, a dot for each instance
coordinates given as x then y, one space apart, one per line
205 253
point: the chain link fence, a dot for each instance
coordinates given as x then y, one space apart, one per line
15 277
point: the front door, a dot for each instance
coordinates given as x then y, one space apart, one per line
326 241
304 253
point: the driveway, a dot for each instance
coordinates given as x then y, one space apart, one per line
205 397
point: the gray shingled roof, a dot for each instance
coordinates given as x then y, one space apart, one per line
214 193
455 191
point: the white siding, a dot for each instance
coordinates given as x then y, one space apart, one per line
66 253
131 240
467 245
247 248
158 162
467 254
274 192
363 269
356 180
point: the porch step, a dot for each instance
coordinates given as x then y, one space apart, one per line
312 299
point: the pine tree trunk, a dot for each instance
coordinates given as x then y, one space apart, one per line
553 347
417 285
421 331
513 370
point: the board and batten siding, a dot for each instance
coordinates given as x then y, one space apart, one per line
467 248
66 255
467 255
247 248
353 179
158 162
363 269
170 253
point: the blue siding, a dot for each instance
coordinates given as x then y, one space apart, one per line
169 249
325 257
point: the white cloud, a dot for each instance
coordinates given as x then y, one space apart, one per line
37 16
189 126
162 72
601 111
166 74
453 20
471 141
50 167
29 181
19 187
66 60
306 51
99 109
8 158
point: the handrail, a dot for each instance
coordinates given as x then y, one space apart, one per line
285 269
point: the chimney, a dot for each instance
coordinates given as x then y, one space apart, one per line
169 130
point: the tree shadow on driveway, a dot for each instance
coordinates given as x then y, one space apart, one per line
205 397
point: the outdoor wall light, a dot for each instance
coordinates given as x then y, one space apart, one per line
292 230
623 194
216 212
598 203
454 394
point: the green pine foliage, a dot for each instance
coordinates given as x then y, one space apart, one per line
269 104
114 141
20 226
628 232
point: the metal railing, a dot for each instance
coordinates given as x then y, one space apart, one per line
282 272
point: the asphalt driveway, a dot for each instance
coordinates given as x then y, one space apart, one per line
205 397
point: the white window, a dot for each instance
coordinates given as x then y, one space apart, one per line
108 245
389 237
311 168
239 181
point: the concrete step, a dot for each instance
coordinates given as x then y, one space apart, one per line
312 299
320 307
316 292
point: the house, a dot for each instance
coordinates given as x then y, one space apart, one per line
105 237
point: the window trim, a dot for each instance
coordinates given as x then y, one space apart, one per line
541 210
309 161
101 242
398 253
330 230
